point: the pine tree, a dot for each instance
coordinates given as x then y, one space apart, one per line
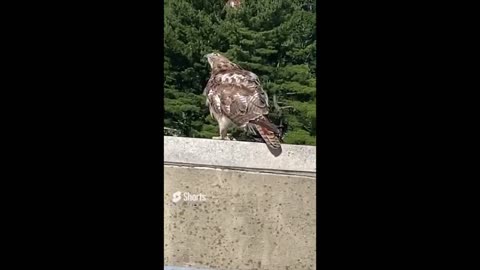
273 38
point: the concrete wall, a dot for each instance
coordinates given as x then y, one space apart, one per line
251 213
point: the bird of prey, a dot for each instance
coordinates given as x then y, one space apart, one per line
235 96
233 3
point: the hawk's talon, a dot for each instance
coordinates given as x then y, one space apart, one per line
226 138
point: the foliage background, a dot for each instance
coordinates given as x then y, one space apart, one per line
276 39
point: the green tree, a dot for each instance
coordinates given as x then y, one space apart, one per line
273 38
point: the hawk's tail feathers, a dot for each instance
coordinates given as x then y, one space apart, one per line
264 122
268 136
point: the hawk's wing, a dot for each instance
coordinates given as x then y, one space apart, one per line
238 95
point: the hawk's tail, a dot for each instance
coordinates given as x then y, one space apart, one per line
268 136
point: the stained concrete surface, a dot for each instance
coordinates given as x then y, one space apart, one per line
248 220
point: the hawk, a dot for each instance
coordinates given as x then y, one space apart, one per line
236 97
233 3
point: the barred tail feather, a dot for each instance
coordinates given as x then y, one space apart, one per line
269 137
264 122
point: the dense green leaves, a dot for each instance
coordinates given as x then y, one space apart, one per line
273 38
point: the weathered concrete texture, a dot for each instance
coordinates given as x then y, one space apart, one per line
239 154
248 221
181 268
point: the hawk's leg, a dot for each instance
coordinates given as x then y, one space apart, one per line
224 123
223 134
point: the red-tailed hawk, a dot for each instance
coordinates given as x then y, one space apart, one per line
233 3
235 96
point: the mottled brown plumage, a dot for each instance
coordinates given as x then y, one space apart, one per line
235 96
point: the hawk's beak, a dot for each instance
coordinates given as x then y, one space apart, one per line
207 55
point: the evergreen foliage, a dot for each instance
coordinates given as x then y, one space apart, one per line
276 39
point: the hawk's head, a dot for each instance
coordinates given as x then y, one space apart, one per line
219 62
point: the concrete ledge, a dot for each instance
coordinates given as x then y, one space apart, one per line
238 154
